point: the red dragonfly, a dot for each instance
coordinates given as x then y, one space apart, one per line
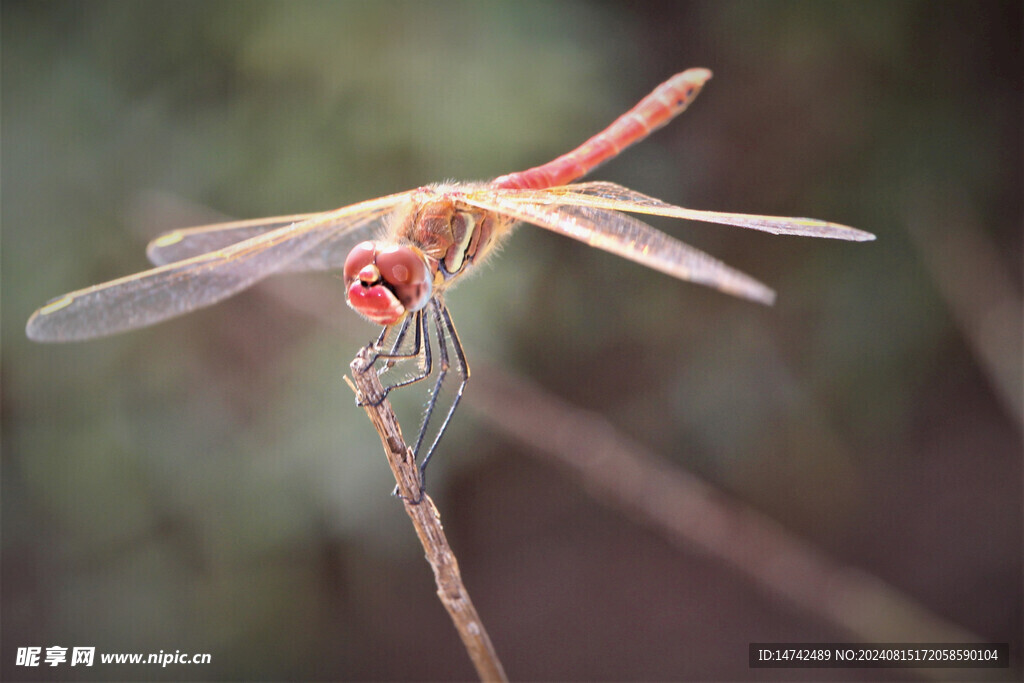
400 253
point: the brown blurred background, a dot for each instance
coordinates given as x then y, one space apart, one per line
207 485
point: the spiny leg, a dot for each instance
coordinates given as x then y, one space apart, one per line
399 340
461 367
394 355
446 334
421 350
423 333
442 349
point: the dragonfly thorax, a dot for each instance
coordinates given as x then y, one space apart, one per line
454 234
386 281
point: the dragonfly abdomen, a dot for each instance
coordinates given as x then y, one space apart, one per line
664 103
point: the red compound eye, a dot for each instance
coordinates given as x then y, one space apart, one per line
405 271
361 256
385 284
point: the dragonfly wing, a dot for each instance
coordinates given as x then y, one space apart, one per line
178 245
179 287
630 238
605 195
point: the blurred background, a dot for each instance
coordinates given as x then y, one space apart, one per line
207 485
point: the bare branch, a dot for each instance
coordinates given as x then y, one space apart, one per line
426 520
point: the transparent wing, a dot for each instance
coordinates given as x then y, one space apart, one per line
630 238
178 245
179 287
604 195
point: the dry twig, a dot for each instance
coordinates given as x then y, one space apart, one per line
427 521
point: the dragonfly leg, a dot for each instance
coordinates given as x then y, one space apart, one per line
423 333
442 372
444 322
384 335
399 339
395 354
451 354
420 350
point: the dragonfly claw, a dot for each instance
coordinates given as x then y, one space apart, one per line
419 496
372 403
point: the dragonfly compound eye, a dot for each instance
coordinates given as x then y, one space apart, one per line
361 256
405 272
386 283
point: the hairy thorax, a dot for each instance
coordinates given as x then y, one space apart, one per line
451 233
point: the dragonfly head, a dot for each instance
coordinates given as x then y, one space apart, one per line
385 282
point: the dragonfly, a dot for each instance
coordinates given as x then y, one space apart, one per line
400 253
